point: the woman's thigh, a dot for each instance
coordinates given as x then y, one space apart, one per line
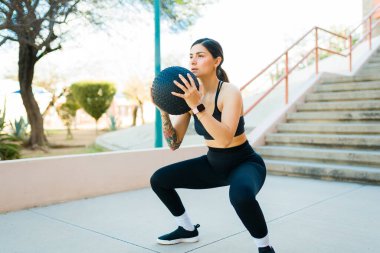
194 173
248 175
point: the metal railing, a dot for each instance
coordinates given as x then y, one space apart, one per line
367 20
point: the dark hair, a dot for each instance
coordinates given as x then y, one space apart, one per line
216 51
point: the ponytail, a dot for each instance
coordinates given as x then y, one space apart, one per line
221 74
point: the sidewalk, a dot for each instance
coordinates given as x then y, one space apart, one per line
303 215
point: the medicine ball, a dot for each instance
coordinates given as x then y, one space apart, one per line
163 85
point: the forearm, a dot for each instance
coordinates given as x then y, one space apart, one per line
170 134
219 131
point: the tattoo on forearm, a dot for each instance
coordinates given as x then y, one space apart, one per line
170 133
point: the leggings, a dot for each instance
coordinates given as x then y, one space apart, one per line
239 167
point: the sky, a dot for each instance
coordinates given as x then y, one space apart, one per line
251 32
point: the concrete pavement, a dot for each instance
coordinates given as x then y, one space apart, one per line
303 215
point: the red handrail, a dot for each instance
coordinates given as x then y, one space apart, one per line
315 49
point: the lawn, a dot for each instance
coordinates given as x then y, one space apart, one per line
83 142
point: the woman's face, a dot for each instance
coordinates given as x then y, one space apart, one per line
201 61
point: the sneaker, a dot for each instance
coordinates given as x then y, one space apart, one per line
179 235
267 249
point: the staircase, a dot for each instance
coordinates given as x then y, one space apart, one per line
372 67
335 134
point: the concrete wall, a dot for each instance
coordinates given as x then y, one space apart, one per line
34 182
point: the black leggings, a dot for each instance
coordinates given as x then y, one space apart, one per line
240 167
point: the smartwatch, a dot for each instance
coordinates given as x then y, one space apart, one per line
198 109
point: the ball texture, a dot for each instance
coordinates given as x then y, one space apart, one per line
163 85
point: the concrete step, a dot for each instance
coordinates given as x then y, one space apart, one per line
375 56
329 128
367 77
324 140
354 86
359 174
372 64
334 116
369 71
365 105
348 79
350 157
343 96
374 60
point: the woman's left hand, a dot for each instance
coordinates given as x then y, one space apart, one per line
191 95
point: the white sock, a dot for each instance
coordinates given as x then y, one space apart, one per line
184 221
262 242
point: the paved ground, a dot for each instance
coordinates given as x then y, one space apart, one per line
303 215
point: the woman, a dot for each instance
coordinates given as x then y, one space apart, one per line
217 108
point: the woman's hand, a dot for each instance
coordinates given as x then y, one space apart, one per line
191 95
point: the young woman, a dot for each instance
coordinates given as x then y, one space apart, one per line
217 108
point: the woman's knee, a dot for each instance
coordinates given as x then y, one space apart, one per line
156 179
241 195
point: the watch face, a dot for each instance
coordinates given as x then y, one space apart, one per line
201 107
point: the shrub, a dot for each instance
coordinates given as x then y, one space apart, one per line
19 128
9 148
67 112
94 97
113 123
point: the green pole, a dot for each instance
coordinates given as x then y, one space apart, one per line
157 68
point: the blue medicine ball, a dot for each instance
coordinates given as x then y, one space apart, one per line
163 86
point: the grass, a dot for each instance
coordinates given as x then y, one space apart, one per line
82 143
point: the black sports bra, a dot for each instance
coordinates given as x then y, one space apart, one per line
199 128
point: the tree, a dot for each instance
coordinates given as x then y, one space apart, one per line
49 82
39 27
137 90
67 112
94 97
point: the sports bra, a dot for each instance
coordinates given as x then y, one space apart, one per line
199 128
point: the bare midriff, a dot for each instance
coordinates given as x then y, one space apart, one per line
236 141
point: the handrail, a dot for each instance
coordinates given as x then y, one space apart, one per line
315 49
300 61
274 61
370 13
332 33
332 52
299 40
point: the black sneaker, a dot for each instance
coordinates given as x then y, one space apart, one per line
267 249
179 235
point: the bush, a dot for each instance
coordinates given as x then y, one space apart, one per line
113 123
94 97
19 128
67 112
9 148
